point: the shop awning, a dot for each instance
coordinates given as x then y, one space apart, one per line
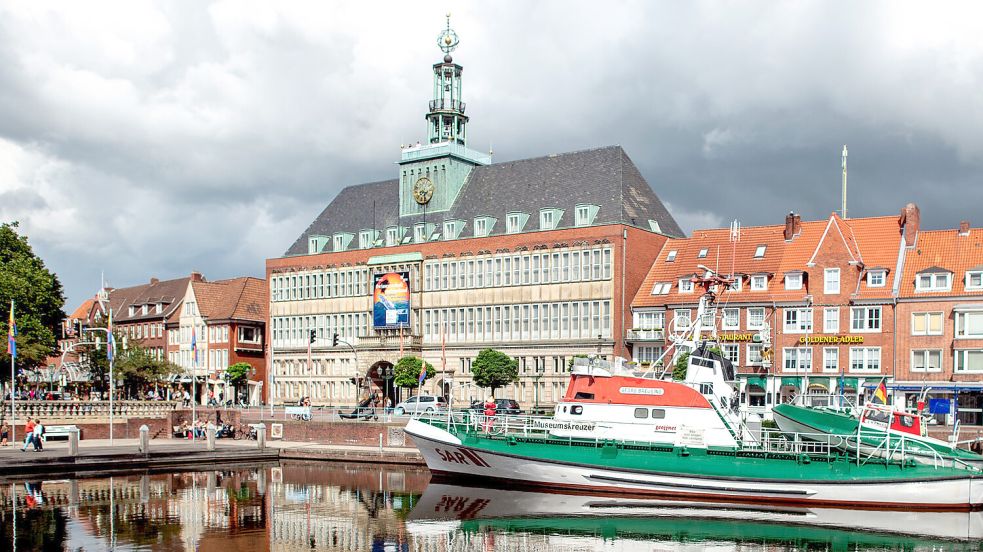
818 386
848 383
756 380
792 381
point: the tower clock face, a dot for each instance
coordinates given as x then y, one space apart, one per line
423 190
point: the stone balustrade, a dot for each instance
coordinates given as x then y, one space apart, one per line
75 410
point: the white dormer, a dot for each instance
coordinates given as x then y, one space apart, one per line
876 277
585 213
974 279
483 226
132 310
933 279
394 235
759 282
452 229
423 232
316 243
342 240
685 285
549 219
144 309
793 280
159 308
515 222
367 238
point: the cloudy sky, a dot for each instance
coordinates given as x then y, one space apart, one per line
155 138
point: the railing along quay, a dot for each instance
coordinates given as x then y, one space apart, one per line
82 409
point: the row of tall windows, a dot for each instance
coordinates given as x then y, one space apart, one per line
519 269
536 321
182 335
861 360
295 331
320 285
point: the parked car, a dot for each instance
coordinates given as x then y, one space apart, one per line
508 407
420 404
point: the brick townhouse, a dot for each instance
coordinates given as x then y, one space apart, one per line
228 321
811 308
940 324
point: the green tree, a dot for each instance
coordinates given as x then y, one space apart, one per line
406 373
38 298
494 369
679 370
238 373
136 367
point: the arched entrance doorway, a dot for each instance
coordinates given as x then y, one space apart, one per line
381 375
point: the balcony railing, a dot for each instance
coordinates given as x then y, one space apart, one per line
645 335
387 340
64 410
447 105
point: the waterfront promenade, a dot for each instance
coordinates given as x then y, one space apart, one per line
97 456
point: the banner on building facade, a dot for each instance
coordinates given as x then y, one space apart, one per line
391 300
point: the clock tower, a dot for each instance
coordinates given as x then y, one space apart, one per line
432 174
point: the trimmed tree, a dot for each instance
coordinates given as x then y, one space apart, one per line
137 368
406 373
494 369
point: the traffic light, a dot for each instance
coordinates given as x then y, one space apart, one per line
313 335
334 340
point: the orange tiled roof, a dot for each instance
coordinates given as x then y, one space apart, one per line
943 249
873 241
84 310
244 298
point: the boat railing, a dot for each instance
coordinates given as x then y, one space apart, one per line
868 444
827 400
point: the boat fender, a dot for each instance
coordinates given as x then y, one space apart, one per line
683 451
512 441
804 459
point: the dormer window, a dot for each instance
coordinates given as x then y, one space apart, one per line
341 241
759 251
452 229
585 214
736 284
876 278
671 256
159 309
315 244
514 222
392 236
366 239
483 226
685 285
549 218
144 310
793 280
933 280
132 310
703 253
419 233
974 279
759 282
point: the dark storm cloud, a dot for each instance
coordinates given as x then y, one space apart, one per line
156 138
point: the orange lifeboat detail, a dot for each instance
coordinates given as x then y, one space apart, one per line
631 391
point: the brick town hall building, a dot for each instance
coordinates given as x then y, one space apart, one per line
529 257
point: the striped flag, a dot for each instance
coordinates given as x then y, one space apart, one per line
12 333
423 373
109 337
194 346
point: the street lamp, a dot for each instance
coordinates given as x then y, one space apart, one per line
387 374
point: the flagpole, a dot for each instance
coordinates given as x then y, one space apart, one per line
111 344
13 387
194 379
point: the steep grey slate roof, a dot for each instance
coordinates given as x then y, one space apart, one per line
605 177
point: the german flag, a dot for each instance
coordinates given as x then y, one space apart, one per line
880 394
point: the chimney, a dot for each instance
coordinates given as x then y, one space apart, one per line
910 222
197 277
964 228
793 225
154 280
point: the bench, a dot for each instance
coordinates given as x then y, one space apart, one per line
53 431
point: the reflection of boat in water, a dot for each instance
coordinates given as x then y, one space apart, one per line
446 507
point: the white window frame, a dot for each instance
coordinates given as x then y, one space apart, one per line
882 274
868 354
831 353
754 359
727 348
793 280
831 324
480 227
924 354
752 311
661 288
970 274
802 359
866 319
937 281
365 239
678 314
546 221
828 282
801 324
961 333
685 285
420 233
960 358
928 323
671 257
392 236
736 319
759 282
736 284
759 252
582 215
703 253
512 223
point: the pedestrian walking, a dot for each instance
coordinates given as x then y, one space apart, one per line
28 434
4 434
38 436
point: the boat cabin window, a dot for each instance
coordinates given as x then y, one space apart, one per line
658 413
706 388
564 410
583 395
641 413
577 409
